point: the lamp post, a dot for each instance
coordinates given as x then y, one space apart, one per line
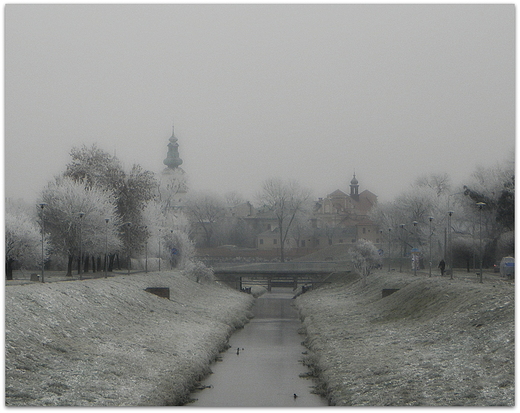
415 253
159 249
146 257
389 239
81 215
128 224
401 259
146 252
106 247
430 242
42 206
480 205
450 255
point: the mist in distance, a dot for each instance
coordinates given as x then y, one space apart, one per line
305 92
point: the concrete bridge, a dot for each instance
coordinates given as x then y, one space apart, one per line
284 274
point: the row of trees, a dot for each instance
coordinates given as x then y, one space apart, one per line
96 214
96 207
435 214
287 202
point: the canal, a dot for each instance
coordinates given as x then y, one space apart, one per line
266 369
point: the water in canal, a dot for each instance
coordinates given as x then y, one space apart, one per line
265 372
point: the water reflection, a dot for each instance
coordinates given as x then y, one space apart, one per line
265 371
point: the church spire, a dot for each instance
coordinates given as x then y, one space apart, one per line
173 160
354 187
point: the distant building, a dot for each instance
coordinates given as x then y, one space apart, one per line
173 186
339 218
339 211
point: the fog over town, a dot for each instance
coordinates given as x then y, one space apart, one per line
305 92
259 205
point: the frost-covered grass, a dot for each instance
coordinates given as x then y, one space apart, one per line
435 342
107 342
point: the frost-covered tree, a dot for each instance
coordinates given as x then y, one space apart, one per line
233 198
199 272
23 241
439 183
365 257
206 212
430 196
65 200
287 201
168 231
132 190
495 187
95 168
506 206
301 227
172 188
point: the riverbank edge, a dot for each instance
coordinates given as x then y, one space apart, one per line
140 350
361 364
311 359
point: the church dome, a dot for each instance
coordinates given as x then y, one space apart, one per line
354 181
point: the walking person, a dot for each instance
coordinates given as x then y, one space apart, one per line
442 266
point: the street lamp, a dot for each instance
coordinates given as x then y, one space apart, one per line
42 205
146 257
81 215
106 247
480 205
401 259
146 253
430 242
128 224
415 253
159 249
450 255
389 232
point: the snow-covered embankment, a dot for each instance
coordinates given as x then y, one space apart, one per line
107 342
434 342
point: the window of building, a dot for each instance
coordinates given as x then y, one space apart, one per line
364 230
275 241
261 241
330 242
303 243
353 240
341 241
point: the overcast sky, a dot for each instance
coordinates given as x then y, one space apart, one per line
306 92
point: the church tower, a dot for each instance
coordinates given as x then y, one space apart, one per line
354 188
173 160
173 182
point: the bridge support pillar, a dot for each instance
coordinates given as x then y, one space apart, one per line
240 284
295 286
269 284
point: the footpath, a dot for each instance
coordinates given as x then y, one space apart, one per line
432 342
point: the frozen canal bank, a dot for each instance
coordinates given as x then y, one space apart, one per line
266 369
108 342
433 342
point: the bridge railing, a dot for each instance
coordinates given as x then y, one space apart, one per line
287 267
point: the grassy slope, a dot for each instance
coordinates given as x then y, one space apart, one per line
107 342
435 342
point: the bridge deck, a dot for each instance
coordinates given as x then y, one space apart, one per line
270 273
